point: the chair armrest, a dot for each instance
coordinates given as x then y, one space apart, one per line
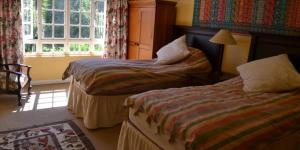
6 66
20 65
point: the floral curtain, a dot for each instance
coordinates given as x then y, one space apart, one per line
10 31
116 29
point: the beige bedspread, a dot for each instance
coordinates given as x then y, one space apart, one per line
112 77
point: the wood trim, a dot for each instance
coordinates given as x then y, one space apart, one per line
139 3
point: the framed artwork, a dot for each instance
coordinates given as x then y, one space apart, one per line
267 16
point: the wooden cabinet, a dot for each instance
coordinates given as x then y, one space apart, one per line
150 27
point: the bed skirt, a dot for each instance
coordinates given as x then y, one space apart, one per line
131 139
96 110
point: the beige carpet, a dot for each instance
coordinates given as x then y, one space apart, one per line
47 104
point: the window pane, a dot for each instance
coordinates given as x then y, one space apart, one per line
100 6
26 3
35 33
58 47
47 4
84 47
47 47
85 18
99 19
85 5
74 19
99 33
74 32
59 4
47 17
29 48
27 15
85 32
27 29
47 31
59 31
74 48
59 17
98 47
75 5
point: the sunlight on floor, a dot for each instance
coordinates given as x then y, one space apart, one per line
45 100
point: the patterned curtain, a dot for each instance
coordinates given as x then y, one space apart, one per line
10 31
116 29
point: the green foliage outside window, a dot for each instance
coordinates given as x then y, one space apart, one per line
98 47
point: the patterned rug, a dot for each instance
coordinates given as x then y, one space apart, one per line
64 135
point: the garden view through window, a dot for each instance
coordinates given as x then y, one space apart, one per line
59 27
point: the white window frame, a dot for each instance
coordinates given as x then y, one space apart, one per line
67 40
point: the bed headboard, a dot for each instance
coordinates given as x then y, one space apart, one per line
198 38
266 45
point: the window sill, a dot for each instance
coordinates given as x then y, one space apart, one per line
62 55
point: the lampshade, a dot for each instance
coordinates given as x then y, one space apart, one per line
223 37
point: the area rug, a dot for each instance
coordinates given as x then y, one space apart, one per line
64 135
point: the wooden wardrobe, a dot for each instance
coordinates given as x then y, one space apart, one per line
150 27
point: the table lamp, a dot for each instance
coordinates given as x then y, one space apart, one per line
222 37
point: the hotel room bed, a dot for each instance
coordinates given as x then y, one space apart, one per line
219 116
99 87
212 117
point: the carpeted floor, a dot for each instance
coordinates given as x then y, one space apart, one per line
47 104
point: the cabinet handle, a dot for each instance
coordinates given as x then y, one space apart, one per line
137 44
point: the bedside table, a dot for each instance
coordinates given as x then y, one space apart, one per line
224 76
196 80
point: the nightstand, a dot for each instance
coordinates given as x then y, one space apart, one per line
224 76
196 80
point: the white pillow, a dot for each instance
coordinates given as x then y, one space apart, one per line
173 52
273 74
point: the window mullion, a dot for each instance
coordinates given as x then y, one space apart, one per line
79 25
92 26
67 26
40 27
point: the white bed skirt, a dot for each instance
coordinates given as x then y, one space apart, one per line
131 139
96 111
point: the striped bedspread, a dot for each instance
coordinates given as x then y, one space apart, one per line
111 76
221 115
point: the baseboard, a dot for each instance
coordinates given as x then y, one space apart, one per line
56 81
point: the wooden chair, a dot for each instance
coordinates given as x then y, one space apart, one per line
13 78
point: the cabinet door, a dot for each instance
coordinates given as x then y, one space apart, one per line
145 53
133 51
147 18
134 25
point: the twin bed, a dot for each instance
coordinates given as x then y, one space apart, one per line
99 87
218 116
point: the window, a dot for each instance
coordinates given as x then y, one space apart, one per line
59 27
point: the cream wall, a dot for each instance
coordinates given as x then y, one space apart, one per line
51 68
233 55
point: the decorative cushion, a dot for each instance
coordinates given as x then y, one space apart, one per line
273 74
173 52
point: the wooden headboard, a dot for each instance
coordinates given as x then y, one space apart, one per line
198 38
266 45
